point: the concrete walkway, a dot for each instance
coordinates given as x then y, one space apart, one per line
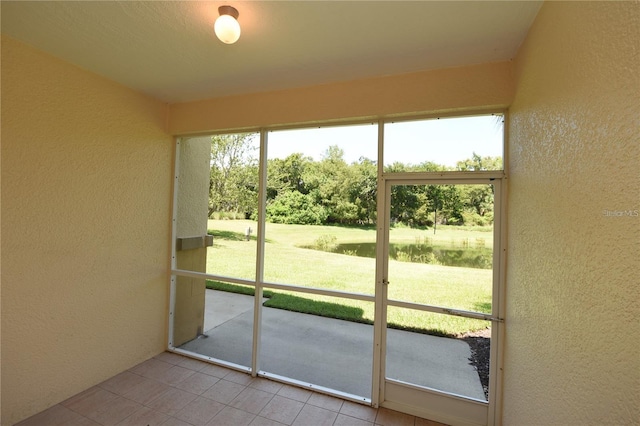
332 353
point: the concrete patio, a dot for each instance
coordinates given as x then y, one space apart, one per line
331 353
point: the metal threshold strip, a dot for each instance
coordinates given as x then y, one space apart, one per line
436 391
315 388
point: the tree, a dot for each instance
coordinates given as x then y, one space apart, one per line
287 175
478 199
233 179
440 204
477 163
363 190
328 181
405 202
300 190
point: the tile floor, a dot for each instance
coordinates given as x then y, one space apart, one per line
172 390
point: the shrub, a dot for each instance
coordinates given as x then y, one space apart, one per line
401 256
326 242
295 208
473 218
429 258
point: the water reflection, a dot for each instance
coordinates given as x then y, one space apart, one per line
477 257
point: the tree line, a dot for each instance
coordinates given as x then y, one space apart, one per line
301 190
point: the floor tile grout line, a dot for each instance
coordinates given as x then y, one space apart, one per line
307 403
173 361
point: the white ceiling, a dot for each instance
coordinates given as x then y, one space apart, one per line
168 49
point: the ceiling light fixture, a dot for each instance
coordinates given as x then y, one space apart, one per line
227 27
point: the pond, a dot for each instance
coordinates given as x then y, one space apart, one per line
478 257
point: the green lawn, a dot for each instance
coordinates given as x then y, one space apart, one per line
286 262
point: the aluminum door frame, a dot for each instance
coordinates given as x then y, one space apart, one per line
452 409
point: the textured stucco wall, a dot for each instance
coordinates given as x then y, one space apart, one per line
192 220
193 187
571 353
86 185
451 89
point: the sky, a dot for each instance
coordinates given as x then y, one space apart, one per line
442 141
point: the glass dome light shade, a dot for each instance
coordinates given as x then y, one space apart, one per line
227 29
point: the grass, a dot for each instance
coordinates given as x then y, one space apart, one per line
286 262
292 303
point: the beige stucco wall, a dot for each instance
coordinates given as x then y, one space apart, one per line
86 185
573 273
191 221
485 86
